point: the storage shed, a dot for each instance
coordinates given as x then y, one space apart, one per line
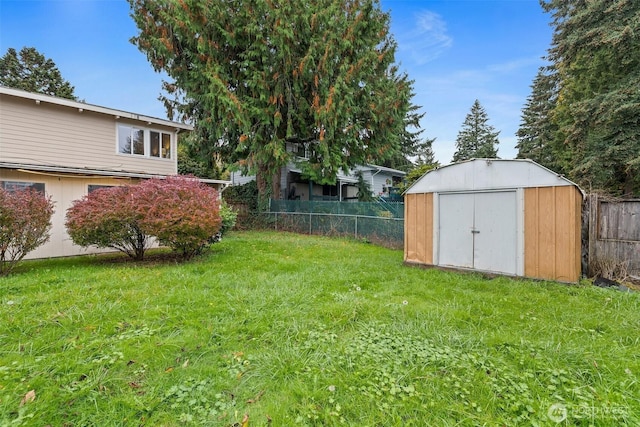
512 217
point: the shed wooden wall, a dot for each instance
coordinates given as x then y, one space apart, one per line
552 222
418 228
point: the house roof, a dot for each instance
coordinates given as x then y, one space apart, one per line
82 106
85 172
383 169
488 174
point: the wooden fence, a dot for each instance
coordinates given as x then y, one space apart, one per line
611 236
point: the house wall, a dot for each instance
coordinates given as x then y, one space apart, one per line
238 179
552 223
63 191
418 228
55 135
377 180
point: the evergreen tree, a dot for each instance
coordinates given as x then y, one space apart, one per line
29 70
425 161
595 50
410 145
537 131
425 154
476 139
255 74
416 173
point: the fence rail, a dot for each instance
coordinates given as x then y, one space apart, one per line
610 243
383 225
378 208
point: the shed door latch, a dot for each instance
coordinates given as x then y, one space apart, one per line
475 231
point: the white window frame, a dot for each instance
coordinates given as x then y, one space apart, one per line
162 154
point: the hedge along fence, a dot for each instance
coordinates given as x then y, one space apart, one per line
380 224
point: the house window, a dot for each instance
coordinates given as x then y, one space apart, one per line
330 190
144 142
94 187
130 140
160 144
12 186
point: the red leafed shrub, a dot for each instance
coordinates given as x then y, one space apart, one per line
25 221
180 211
108 218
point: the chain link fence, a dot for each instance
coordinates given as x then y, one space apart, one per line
377 222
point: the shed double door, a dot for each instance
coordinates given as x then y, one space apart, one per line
478 231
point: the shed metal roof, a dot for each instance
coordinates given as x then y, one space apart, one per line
488 174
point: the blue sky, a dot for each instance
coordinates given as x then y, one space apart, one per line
456 51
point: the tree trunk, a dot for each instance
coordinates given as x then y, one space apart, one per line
263 185
275 185
628 184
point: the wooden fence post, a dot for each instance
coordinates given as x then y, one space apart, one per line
593 233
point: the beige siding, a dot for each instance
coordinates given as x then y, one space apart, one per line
552 222
63 191
53 135
418 232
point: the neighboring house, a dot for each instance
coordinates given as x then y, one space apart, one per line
293 186
67 149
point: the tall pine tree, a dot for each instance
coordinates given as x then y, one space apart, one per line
29 70
425 154
256 74
410 145
537 131
595 49
476 139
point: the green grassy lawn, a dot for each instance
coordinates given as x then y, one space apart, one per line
291 330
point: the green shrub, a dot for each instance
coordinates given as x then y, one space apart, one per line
229 217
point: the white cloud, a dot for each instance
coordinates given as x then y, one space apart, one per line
428 39
515 65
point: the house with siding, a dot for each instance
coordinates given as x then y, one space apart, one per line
294 186
67 148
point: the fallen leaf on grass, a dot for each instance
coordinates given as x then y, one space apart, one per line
28 398
245 421
169 369
255 399
186 363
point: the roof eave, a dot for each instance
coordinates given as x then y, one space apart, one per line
81 106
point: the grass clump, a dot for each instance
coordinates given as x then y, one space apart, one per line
283 329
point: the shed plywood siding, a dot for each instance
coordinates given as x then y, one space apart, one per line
552 224
418 231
